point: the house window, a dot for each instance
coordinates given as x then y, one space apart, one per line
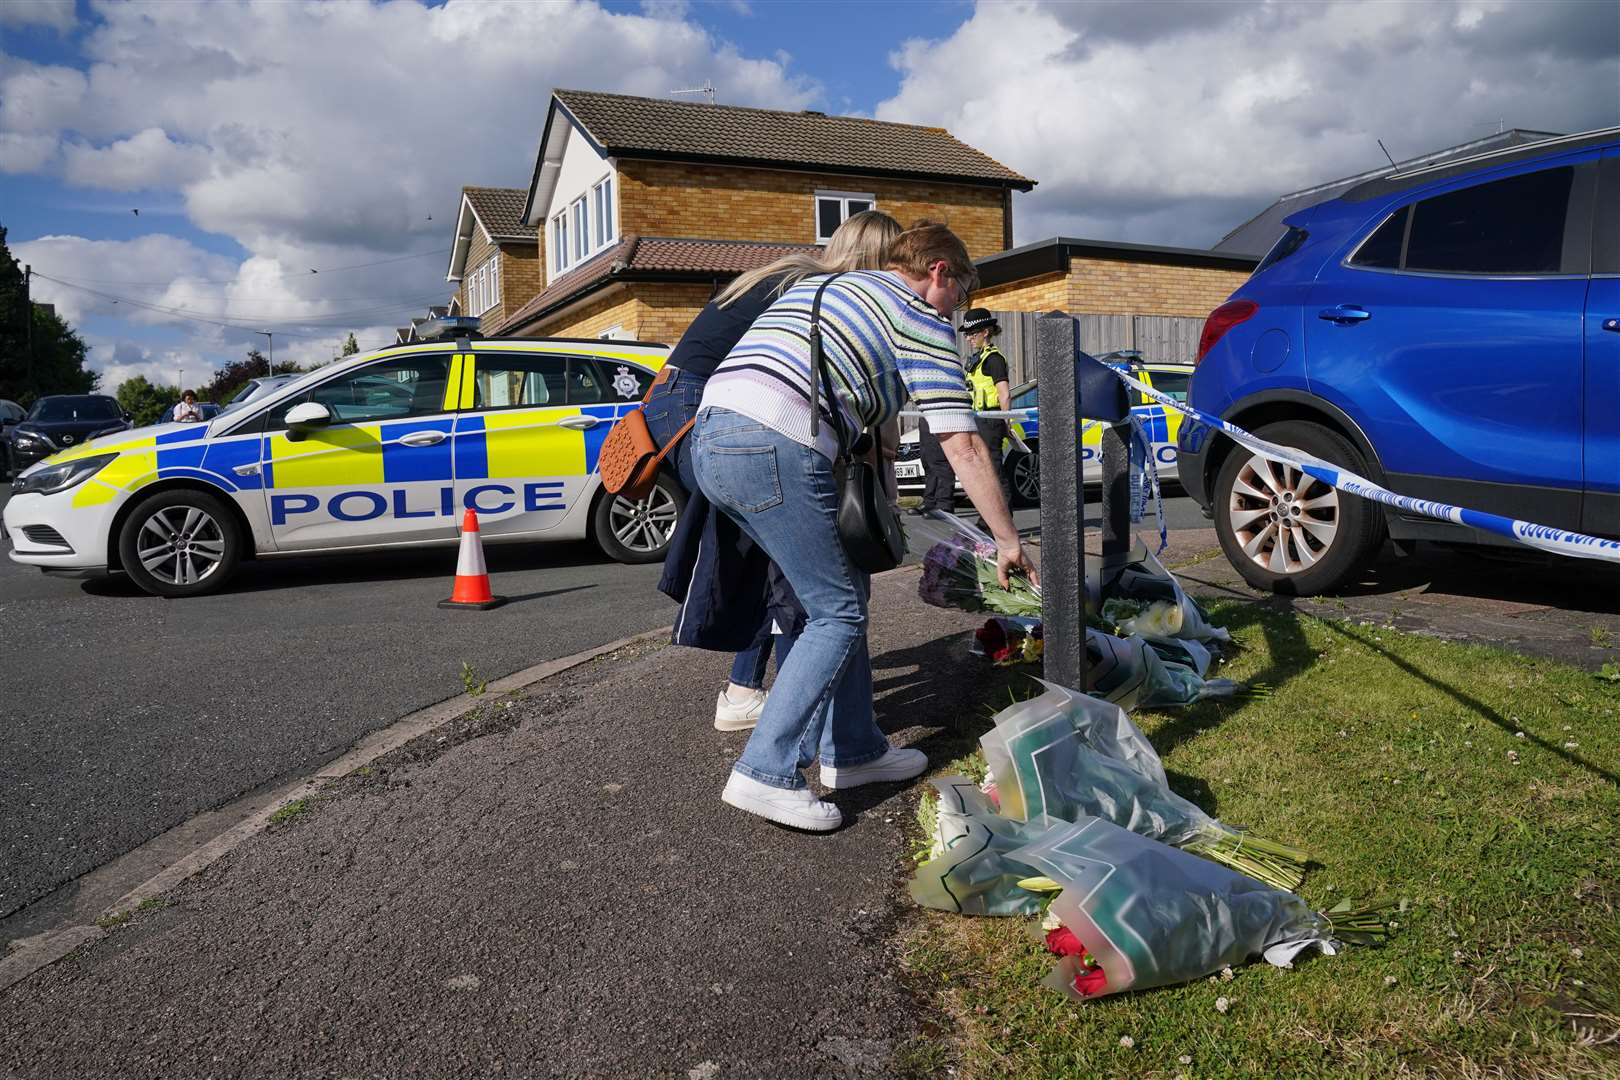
582 228
562 255
833 208
602 197
484 287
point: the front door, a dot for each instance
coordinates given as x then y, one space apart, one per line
380 473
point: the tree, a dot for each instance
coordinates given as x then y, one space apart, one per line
231 378
351 346
57 363
145 402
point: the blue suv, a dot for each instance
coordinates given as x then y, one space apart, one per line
1452 333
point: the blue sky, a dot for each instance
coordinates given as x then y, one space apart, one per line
261 140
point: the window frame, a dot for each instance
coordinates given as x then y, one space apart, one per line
580 210
1578 213
843 199
602 212
593 364
560 243
260 422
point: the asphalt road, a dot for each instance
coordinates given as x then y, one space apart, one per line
125 715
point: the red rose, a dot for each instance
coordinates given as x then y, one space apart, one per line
992 638
1089 982
1063 942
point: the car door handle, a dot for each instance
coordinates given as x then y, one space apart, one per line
1612 325
422 438
1344 314
578 423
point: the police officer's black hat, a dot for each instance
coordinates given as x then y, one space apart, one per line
978 319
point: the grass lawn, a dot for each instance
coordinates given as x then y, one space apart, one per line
1398 762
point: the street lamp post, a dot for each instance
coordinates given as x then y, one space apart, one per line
271 335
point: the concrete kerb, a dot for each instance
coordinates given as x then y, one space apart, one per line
30 954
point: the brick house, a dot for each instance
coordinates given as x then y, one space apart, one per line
496 257
1101 277
645 207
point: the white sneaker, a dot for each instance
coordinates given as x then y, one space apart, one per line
797 807
894 765
732 715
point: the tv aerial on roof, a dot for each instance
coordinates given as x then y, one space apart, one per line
706 88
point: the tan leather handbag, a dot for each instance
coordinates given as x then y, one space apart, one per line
629 459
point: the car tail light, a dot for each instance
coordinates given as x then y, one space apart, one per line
1220 321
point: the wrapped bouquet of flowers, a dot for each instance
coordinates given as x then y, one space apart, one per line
959 571
965 868
1005 640
1146 599
1134 914
1064 756
1133 672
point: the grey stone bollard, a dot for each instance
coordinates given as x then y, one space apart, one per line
1063 504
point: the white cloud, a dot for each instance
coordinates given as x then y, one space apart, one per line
56 14
147 159
22 153
1174 122
321 135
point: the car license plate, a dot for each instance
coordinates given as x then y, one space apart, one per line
908 470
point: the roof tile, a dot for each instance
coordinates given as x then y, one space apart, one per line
634 256
626 125
501 211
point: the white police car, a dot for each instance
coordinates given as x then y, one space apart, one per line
375 451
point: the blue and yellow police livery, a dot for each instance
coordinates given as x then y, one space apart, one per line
377 451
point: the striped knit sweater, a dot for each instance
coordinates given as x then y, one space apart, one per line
883 343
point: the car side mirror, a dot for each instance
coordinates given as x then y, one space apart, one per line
303 417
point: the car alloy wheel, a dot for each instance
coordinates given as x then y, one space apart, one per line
1284 519
180 545
644 527
1026 478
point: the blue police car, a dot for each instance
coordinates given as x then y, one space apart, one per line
1452 333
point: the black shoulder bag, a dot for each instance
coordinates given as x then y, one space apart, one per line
868 525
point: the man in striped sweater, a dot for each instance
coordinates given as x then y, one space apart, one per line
886 336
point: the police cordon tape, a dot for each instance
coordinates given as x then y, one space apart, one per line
1542 537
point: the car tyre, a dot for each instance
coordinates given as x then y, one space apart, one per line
1024 476
639 532
181 542
1287 532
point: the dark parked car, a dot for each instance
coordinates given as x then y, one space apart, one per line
10 414
1451 333
60 421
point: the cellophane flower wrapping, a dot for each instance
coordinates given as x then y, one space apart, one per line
1132 672
1155 916
1157 606
1063 756
967 870
959 570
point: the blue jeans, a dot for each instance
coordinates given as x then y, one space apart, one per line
671 404
785 497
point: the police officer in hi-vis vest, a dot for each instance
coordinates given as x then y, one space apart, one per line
987 378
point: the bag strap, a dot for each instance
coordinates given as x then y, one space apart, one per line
819 367
819 373
674 441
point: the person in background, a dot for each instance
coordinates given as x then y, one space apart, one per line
987 377
887 337
858 244
187 411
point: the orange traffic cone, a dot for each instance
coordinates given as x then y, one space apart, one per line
472 577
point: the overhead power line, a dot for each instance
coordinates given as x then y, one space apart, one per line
253 322
284 273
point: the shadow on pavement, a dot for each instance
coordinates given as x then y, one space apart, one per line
1492 574
260 575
